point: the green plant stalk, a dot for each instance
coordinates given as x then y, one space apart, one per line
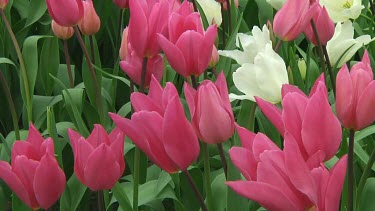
207 178
351 171
223 25
29 105
195 189
330 71
101 205
278 45
364 177
67 60
223 159
98 97
92 49
11 105
229 17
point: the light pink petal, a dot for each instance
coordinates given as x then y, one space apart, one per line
47 147
365 114
117 147
174 56
155 92
244 160
246 137
138 27
273 113
155 67
169 93
222 87
344 97
262 143
320 79
335 184
81 155
158 21
287 88
205 50
25 148
74 136
141 102
34 136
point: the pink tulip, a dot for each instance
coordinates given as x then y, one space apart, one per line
90 23
189 48
355 95
62 32
309 119
124 44
324 26
67 12
214 57
122 3
211 111
3 4
35 176
291 20
160 129
99 160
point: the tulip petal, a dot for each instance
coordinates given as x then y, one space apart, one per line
25 148
102 170
81 155
156 91
273 113
287 88
74 136
344 96
49 182
205 50
335 184
117 147
98 136
142 102
262 143
222 87
190 94
138 27
266 195
246 137
244 160
364 112
34 136
174 55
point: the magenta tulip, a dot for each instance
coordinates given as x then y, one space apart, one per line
35 176
324 26
189 47
212 115
90 23
160 129
99 160
291 20
122 3
356 95
309 119
67 12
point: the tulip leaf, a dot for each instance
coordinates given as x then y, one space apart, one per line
6 61
36 10
219 192
250 10
73 194
3 199
120 195
18 205
49 64
367 202
358 150
124 80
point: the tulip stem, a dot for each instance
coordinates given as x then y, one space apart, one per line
99 102
207 179
92 49
194 82
330 71
365 175
223 25
195 189
223 159
11 105
195 5
229 17
372 7
118 41
143 75
67 60
101 205
278 45
25 79
351 170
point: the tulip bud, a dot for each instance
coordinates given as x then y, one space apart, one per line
122 3
90 23
67 12
225 3
302 68
3 4
324 26
214 58
124 44
62 32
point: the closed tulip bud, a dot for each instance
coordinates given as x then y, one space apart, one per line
90 23
62 32
225 3
302 68
212 115
65 13
35 176
355 95
124 44
3 4
291 20
215 57
122 3
324 26
99 159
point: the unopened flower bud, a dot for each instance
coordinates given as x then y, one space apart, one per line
90 23
214 58
62 32
3 4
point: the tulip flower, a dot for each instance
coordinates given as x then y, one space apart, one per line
343 10
147 19
160 129
214 57
225 3
324 26
67 12
355 95
302 68
122 3
212 115
90 23
212 11
264 78
3 4
124 44
99 160
343 46
35 176
62 32
252 45
189 48
276 4
292 19
309 120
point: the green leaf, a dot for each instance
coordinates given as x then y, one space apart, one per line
37 8
6 61
219 192
121 197
367 202
49 64
72 195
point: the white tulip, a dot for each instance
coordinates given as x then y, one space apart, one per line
342 10
343 46
212 11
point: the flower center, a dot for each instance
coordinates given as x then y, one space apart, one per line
347 5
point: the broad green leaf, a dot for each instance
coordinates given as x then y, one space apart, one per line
367 202
49 64
120 195
36 10
72 195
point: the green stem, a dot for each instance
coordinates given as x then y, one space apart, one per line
92 49
278 45
252 117
330 71
101 205
351 170
11 105
223 25
229 17
207 179
195 189
67 60
195 5
223 159
98 97
365 175
29 105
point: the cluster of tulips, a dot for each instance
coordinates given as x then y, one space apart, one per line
292 177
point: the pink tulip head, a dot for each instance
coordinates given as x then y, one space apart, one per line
124 44
160 129
122 4
65 13
35 176
210 109
189 47
90 23
147 19
214 57
355 95
99 159
62 32
291 20
324 26
3 4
